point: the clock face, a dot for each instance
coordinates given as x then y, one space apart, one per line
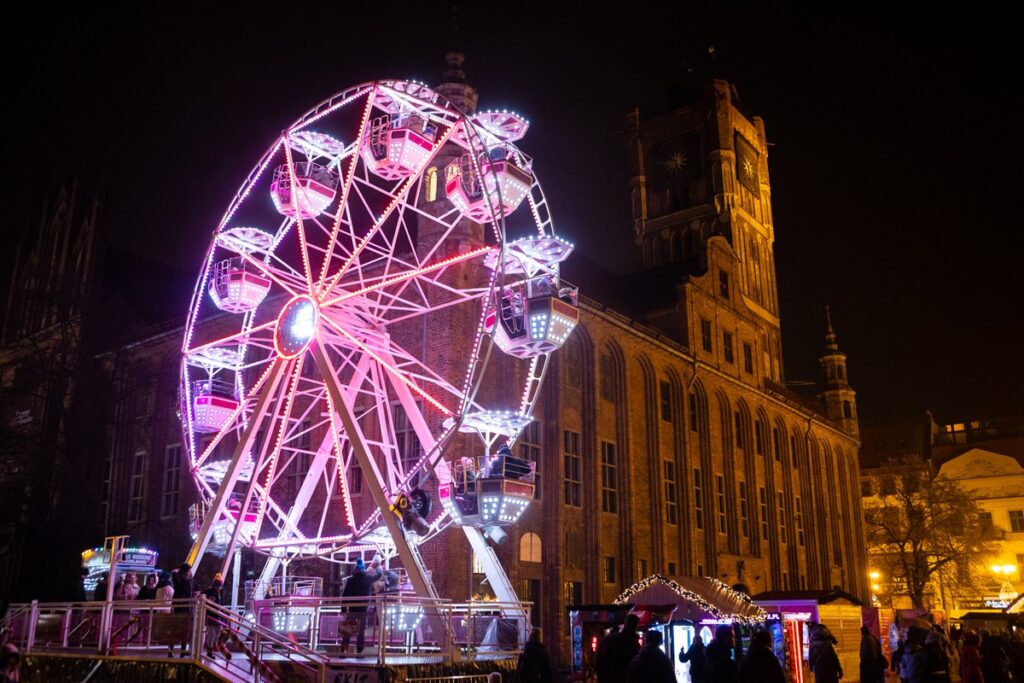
747 165
671 166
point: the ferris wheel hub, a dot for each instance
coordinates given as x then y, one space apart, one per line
296 326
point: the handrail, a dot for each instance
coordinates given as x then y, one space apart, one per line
86 621
293 649
135 620
220 645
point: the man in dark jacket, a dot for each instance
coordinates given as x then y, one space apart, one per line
822 656
184 586
760 664
695 656
719 666
872 661
359 585
534 665
619 650
651 665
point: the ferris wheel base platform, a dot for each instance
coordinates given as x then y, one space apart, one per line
44 667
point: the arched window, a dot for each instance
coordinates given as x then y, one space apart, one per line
431 184
529 548
847 409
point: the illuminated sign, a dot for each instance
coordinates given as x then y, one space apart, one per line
797 616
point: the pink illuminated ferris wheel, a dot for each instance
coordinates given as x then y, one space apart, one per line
369 330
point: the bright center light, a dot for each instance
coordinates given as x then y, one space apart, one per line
304 322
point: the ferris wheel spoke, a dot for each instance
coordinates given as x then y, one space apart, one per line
399 198
244 335
346 187
297 187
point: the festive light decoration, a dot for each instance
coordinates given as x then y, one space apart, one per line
314 306
758 615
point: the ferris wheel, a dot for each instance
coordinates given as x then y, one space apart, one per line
368 334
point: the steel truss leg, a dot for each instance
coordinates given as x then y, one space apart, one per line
227 485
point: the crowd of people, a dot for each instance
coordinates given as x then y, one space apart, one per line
162 585
927 655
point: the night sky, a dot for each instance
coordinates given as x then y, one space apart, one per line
895 166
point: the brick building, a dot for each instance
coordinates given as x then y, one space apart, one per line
666 440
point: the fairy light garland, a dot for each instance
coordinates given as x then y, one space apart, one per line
696 598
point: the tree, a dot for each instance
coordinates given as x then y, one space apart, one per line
921 526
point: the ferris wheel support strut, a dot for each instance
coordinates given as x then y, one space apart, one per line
343 411
227 484
309 484
495 572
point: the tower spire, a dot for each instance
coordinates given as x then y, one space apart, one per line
830 334
839 398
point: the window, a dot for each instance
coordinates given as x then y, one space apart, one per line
744 510
529 449
609 569
698 499
866 489
301 457
665 394
740 440
406 441
355 478
727 347
1016 520
758 437
840 372
693 412
572 354
792 451
609 478
137 486
799 520
529 548
748 358
671 495
431 184
720 484
847 410
642 567
782 516
170 486
705 334
700 570
573 481
764 513
573 592
671 568
607 371
887 487
777 444
529 589
723 284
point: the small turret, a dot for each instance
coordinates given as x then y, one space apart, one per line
838 396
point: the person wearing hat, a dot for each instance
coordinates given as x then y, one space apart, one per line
359 587
215 593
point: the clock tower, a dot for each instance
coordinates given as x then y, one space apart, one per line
701 208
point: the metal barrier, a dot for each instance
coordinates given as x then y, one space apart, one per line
297 633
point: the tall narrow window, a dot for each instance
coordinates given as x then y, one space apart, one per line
847 410
744 510
758 437
705 334
764 513
782 517
572 355
573 480
748 358
723 284
798 519
406 441
720 484
610 574
609 478
665 394
698 499
607 371
137 486
792 450
573 593
693 412
727 347
529 449
777 444
171 479
741 441
671 494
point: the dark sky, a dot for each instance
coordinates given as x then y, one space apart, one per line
896 161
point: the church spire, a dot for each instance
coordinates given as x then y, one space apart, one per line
839 398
